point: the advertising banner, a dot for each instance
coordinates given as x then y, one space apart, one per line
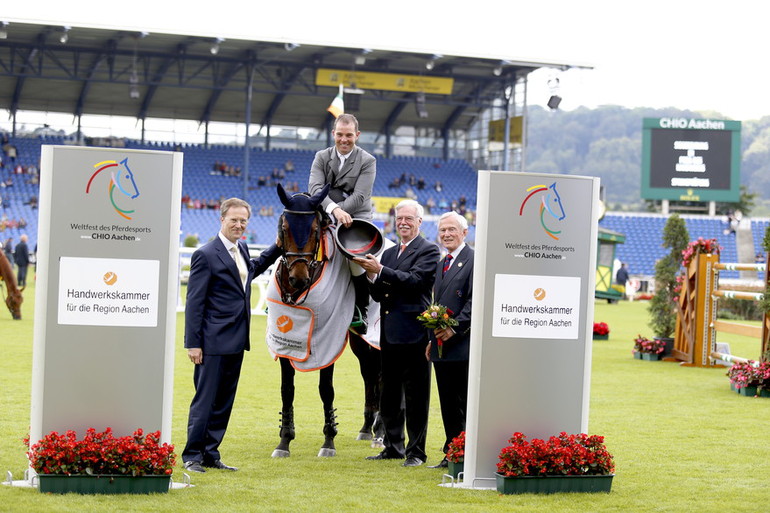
105 303
532 321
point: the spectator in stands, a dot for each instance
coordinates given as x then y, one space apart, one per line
288 166
409 193
420 183
438 186
351 172
261 181
8 249
33 201
430 205
395 184
22 222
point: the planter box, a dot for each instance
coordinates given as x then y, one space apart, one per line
454 469
752 391
59 483
601 337
650 356
637 355
553 484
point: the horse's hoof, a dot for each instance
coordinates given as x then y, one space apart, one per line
364 436
327 453
377 443
280 453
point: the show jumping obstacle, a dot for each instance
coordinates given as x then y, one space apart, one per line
697 325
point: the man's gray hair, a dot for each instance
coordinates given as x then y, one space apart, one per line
460 219
411 203
233 202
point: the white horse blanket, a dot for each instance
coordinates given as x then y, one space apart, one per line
314 333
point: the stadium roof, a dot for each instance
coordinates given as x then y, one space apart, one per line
80 70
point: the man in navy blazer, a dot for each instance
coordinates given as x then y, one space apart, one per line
453 289
217 315
402 284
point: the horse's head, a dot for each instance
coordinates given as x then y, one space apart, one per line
299 229
13 302
552 203
124 179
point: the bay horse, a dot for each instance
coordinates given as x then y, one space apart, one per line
13 298
310 306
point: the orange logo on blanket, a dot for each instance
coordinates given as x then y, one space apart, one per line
284 323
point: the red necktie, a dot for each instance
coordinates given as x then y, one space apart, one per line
447 263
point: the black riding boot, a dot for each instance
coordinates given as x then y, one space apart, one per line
361 286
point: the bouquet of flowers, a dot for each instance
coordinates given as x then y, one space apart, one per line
437 317
102 453
601 328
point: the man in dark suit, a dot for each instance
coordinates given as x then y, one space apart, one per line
402 284
21 257
350 171
217 315
453 288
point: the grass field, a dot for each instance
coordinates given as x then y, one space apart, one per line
682 441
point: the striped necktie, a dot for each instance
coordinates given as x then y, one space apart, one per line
447 263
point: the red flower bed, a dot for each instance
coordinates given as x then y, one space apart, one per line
102 453
563 455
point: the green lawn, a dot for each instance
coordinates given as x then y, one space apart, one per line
682 440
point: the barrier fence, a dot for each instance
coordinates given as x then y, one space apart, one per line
697 323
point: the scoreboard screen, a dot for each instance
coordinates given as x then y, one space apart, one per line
691 159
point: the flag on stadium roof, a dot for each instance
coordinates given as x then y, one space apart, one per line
338 104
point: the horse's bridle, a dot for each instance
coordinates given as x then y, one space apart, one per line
306 257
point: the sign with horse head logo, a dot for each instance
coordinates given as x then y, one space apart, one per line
550 203
121 179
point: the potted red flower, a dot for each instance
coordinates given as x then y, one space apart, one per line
750 378
646 349
601 331
564 463
455 455
102 463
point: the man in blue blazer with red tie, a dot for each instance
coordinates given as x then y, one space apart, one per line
402 283
453 289
217 316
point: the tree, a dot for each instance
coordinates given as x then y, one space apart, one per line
663 304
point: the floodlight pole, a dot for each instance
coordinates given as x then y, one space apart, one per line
249 93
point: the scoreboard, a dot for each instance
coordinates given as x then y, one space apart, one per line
691 159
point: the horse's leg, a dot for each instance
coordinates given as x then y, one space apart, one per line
363 352
326 390
287 409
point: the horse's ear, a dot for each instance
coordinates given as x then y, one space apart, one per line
282 195
319 196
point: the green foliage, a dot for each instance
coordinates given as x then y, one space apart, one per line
663 304
191 241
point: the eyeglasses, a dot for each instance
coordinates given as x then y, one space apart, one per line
235 220
408 219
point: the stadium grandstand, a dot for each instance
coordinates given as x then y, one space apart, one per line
429 144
